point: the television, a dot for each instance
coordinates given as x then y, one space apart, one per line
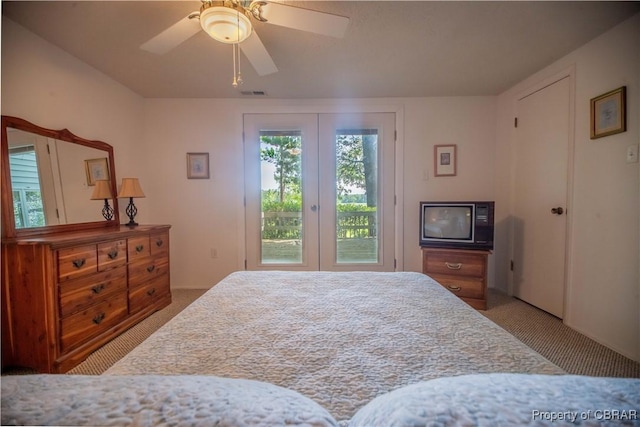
457 225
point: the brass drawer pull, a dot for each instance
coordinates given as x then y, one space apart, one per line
150 292
139 248
113 254
98 288
151 268
451 266
454 288
78 263
159 242
99 318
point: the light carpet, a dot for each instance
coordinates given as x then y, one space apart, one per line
546 334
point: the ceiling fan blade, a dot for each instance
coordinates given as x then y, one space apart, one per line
172 36
257 54
305 19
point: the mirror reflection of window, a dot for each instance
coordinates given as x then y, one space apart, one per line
27 199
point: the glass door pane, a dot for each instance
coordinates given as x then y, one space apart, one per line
281 197
356 182
281 191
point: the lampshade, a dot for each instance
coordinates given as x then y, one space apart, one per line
225 24
130 188
102 190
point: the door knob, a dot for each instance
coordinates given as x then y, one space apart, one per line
314 208
557 211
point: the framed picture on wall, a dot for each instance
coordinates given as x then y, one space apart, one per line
445 159
608 113
97 169
198 165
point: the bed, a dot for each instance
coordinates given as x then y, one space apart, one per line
339 341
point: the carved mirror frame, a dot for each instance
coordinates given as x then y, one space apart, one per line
9 229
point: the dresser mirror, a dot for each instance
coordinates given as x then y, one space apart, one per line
48 180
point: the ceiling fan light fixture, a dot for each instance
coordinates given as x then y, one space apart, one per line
225 24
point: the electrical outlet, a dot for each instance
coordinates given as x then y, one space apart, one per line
632 153
214 253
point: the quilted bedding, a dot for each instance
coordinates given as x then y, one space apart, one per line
325 349
340 339
490 400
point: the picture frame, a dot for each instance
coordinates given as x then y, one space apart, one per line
197 165
608 113
96 169
445 160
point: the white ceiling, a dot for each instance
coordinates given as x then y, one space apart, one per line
391 48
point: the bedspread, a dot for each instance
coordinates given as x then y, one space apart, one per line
340 339
491 400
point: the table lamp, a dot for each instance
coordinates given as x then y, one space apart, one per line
102 190
130 188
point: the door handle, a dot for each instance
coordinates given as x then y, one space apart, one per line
557 211
314 208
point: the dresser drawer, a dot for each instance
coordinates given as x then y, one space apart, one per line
148 294
79 294
77 262
457 264
468 287
138 248
83 326
159 244
142 271
112 254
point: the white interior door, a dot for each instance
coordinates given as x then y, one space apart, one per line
541 197
319 191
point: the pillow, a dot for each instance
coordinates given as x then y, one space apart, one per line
507 400
153 400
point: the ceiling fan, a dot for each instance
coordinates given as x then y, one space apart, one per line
229 21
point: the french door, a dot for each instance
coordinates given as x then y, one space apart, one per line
319 191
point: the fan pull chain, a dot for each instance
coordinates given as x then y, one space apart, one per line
237 76
239 72
235 81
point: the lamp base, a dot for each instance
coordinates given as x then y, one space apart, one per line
131 212
107 211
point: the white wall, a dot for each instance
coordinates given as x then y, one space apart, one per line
50 88
602 297
207 214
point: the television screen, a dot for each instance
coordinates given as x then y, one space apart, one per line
448 222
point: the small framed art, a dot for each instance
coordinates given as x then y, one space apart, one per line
97 169
608 113
445 159
198 165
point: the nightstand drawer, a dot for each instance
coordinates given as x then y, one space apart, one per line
455 264
467 287
77 262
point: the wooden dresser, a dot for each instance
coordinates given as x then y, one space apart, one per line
463 272
66 294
